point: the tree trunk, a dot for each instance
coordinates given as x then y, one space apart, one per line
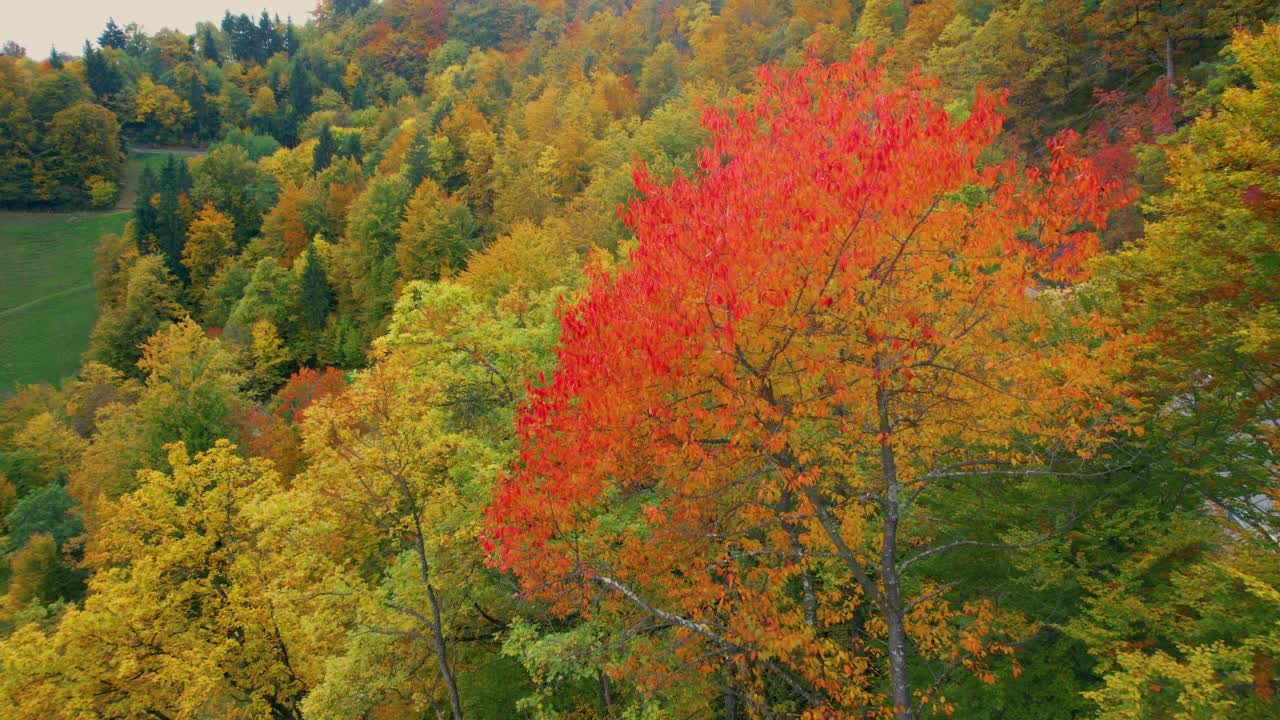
437 626
446 671
730 701
1168 62
897 639
606 696
806 578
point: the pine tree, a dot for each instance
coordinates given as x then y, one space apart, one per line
316 297
171 227
417 161
351 148
209 46
103 78
243 36
112 36
55 60
144 213
300 92
349 7
326 148
269 42
359 92
291 42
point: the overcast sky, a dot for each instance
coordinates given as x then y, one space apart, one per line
38 25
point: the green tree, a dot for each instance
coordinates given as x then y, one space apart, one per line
301 92
191 394
150 301
228 179
112 36
315 296
17 146
21 469
1200 285
417 159
325 149
412 446
659 76
373 228
350 147
39 575
270 295
103 76
171 215
53 93
146 221
209 45
85 142
45 510
436 236
1183 624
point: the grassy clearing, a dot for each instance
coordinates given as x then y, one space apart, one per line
46 281
46 292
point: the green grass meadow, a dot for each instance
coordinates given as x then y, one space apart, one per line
47 303
46 292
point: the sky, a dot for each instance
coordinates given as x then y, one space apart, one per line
37 25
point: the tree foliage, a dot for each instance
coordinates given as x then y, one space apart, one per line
873 395
750 425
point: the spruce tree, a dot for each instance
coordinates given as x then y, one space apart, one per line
326 147
269 41
417 161
315 297
103 78
112 36
291 42
145 219
351 148
171 228
209 46
301 89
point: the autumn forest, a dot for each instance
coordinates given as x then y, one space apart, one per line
655 359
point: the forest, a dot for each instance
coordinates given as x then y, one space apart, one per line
656 359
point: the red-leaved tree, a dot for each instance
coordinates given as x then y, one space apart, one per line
843 315
275 433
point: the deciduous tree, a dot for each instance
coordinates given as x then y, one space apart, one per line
175 622
85 141
1201 282
210 240
437 234
753 425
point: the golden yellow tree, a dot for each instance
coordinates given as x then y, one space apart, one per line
210 240
178 621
